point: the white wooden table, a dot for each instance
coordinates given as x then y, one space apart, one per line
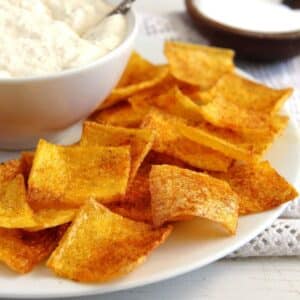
246 279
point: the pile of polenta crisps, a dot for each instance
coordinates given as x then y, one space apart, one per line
172 142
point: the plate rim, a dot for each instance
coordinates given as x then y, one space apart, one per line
162 276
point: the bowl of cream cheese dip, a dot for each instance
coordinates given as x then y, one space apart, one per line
256 29
59 59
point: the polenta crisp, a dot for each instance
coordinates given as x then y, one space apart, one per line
259 187
198 65
202 137
49 218
139 140
139 75
15 212
69 176
170 140
225 114
121 114
248 145
248 94
173 102
137 201
101 246
21 251
180 193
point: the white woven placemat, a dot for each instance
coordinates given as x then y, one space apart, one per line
283 237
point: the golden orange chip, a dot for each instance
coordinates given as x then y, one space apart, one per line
49 218
259 187
100 245
168 95
139 75
248 94
140 140
68 176
243 145
121 114
149 94
153 92
194 95
170 140
10 169
279 123
26 162
173 102
188 89
132 211
225 114
139 70
261 145
177 194
21 251
211 141
198 65
15 212
156 158
137 201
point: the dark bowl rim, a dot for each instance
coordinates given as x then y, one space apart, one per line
200 17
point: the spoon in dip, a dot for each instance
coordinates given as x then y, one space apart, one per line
122 8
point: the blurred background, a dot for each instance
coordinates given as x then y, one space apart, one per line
169 19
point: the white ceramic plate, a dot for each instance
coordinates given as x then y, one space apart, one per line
192 245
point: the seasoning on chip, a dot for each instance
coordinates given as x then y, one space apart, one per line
69 176
121 114
260 145
21 251
49 218
178 194
259 187
139 75
10 169
170 140
248 94
14 209
225 114
136 204
202 137
173 102
247 144
139 140
101 246
198 65
156 158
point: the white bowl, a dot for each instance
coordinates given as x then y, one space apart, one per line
45 106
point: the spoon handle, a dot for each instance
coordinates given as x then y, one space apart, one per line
122 8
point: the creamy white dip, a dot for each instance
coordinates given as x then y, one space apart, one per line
269 16
38 37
